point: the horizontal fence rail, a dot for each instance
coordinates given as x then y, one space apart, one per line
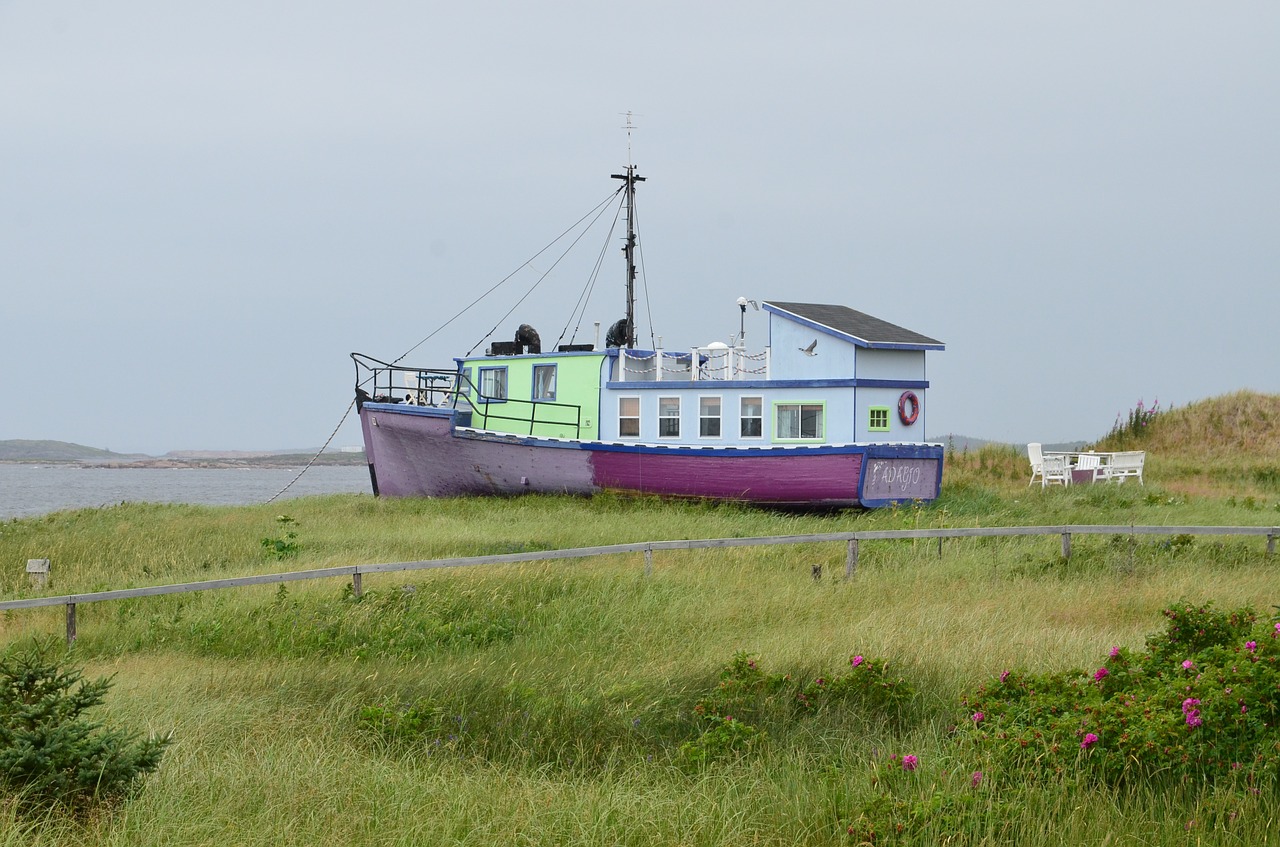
851 539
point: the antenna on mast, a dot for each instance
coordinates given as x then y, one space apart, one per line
629 126
630 179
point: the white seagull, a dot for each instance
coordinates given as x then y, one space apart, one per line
808 351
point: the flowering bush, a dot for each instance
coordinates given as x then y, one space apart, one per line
1135 423
1201 703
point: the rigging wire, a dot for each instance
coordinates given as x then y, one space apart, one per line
597 210
580 308
594 211
644 283
600 209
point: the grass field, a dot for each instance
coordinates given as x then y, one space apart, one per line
555 703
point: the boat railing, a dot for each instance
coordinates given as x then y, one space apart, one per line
386 382
714 362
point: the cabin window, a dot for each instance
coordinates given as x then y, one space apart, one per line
493 384
879 421
798 421
463 388
668 417
751 417
709 417
544 382
628 417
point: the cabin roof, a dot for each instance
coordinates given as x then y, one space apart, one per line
858 327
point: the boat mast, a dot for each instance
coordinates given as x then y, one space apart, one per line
629 249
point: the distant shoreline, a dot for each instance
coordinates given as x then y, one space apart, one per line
283 460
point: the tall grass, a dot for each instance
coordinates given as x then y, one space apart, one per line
546 703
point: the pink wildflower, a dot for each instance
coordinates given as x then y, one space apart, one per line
1243 708
1004 675
909 762
1115 652
978 717
1101 674
856 660
1191 712
1188 665
1089 740
1251 646
976 779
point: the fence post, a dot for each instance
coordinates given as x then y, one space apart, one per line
648 560
1066 545
356 587
71 624
851 559
1271 544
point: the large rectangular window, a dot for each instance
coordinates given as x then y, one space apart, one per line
879 419
709 417
493 384
628 417
798 421
668 417
751 417
544 382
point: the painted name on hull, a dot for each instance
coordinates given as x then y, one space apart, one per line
895 479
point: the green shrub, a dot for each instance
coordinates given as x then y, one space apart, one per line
747 696
50 754
284 545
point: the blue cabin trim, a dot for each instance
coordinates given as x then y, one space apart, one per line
761 384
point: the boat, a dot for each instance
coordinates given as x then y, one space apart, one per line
829 414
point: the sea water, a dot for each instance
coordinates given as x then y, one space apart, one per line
28 490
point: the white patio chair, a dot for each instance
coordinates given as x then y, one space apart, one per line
1124 465
1055 470
1036 455
1091 462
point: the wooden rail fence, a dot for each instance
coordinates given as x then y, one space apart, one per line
851 539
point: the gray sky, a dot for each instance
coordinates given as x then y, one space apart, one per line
204 207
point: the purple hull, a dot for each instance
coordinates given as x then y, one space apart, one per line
416 451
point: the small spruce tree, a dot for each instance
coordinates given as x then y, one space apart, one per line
50 754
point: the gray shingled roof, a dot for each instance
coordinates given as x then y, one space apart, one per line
859 327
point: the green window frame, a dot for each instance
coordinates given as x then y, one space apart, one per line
799 421
878 419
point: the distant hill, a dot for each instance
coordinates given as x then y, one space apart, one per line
1245 424
21 450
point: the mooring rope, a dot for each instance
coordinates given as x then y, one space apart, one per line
597 211
332 435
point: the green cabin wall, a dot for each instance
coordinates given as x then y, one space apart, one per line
577 384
